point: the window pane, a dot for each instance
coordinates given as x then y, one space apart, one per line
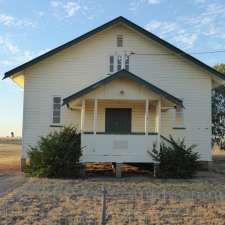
119 40
56 106
57 100
56 113
111 68
111 63
119 63
56 120
111 59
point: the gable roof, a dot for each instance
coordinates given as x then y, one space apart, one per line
105 26
117 75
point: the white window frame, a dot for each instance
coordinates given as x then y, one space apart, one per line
60 110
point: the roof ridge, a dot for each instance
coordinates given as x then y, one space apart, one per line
101 28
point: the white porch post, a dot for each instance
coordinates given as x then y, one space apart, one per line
82 116
146 116
158 121
95 116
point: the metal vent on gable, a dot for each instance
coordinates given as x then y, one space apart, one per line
120 144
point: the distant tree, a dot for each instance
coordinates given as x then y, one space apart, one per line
220 67
218 112
12 134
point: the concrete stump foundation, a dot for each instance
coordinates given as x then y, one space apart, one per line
119 170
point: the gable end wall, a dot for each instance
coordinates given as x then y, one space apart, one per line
83 64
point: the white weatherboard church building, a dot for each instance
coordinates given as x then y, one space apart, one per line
124 88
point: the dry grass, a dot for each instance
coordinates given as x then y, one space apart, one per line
10 140
10 157
52 201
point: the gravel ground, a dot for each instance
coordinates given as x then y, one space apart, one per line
130 200
10 181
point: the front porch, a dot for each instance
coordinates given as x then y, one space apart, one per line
101 144
120 118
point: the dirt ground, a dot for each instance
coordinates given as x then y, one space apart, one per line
9 181
138 199
130 200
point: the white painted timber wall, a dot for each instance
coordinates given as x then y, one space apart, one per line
117 148
79 66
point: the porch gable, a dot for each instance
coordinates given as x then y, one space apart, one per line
130 76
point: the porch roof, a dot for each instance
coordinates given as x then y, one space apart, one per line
118 75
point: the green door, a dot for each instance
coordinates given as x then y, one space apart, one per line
118 121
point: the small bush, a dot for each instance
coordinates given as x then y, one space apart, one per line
56 155
175 159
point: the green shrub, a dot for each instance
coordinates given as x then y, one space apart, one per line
56 155
175 159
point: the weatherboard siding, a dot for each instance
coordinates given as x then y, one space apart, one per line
87 62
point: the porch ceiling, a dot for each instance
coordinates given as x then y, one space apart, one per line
131 85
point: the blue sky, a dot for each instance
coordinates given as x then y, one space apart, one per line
29 28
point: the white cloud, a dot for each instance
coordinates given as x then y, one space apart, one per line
12 55
153 1
185 31
55 4
40 13
161 27
71 8
186 40
6 20
11 21
210 22
65 9
5 62
173 32
199 1
8 46
135 4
